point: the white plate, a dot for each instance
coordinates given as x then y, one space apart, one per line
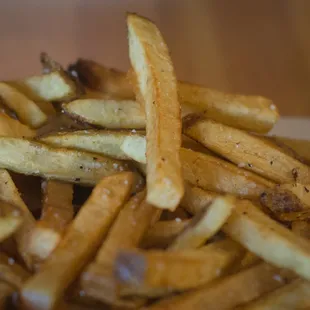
292 127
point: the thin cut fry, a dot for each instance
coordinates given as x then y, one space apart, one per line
156 273
26 110
196 199
214 174
33 158
107 113
105 142
9 193
54 86
300 147
247 151
9 224
230 291
268 239
156 82
46 288
11 272
14 128
57 212
294 295
163 233
205 225
130 226
253 113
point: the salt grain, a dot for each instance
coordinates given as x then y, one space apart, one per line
241 165
11 261
272 107
178 220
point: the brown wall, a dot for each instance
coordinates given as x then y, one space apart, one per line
254 47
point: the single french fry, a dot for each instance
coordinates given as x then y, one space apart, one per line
26 110
53 86
229 292
11 272
163 233
301 228
127 231
196 199
158 273
216 175
205 224
46 288
300 147
294 295
57 213
107 113
268 239
104 142
105 80
303 215
253 113
247 151
9 224
9 193
157 84
34 158
13 128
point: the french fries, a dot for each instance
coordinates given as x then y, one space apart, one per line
301 228
204 225
247 151
11 272
131 224
229 292
26 110
300 147
156 82
157 273
163 233
107 113
13 128
104 142
54 86
57 213
46 288
253 113
34 158
294 295
249 226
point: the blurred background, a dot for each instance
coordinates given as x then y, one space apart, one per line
252 47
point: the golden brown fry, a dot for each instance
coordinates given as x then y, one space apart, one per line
205 224
253 113
34 158
157 84
127 231
196 199
294 295
9 193
57 213
46 288
301 228
163 233
13 128
303 215
107 113
157 273
230 291
105 142
106 80
214 174
11 272
268 239
247 151
53 86
26 110
300 147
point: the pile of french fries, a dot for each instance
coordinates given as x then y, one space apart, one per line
156 194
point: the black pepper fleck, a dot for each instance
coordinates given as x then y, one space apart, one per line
271 163
81 167
78 179
306 189
250 165
95 158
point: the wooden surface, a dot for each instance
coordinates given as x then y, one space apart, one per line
253 47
